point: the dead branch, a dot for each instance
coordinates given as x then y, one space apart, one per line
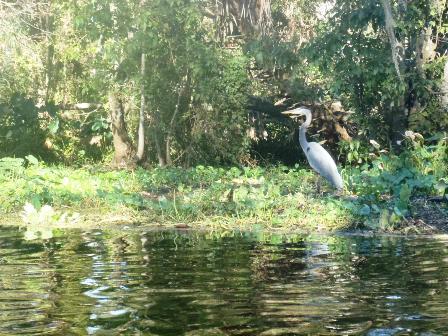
80 107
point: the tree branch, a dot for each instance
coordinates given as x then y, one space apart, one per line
79 106
390 29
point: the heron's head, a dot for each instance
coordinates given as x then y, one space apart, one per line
297 112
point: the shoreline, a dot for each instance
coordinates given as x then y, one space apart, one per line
92 219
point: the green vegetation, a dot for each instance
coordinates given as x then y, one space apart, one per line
274 198
388 184
90 86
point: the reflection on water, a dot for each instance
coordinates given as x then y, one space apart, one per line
174 283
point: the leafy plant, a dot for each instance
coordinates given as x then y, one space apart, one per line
354 153
388 184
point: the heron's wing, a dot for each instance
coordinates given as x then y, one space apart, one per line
322 162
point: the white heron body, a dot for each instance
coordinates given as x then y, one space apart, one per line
319 159
322 162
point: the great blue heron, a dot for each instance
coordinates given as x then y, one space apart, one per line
318 158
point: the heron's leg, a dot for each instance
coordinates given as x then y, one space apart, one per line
339 193
318 185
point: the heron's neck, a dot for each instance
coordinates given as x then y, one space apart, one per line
302 138
302 132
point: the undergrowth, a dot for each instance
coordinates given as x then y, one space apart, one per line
387 184
276 197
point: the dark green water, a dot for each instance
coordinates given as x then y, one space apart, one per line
174 283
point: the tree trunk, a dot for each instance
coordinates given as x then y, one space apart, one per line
158 140
396 47
160 150
398 127
169 135
141 123
49 73
409 59
444 87
124 153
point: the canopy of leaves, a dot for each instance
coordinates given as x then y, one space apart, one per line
204 63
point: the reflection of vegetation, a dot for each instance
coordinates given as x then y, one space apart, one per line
40 284
173 283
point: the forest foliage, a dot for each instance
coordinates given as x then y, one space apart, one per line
197 73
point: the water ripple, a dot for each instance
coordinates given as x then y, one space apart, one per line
169 283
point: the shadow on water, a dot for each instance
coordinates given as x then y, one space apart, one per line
174 283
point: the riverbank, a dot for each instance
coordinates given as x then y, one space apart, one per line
276 198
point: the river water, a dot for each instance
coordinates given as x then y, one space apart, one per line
126 282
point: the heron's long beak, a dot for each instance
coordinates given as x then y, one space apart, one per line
294 113
288 113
